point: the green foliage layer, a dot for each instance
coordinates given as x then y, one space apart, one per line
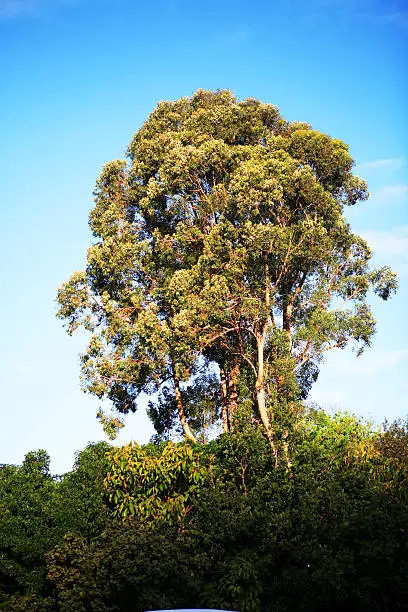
167 526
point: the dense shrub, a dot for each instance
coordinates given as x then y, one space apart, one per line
328 534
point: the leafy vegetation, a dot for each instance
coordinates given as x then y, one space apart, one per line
216 525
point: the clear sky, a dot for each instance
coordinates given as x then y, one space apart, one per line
79 77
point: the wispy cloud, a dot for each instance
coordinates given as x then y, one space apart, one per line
390 164
376 361
238 35
390 246
234 36
329 398
396 18
369 363
16 8
393 242
371 11
12 8
391 192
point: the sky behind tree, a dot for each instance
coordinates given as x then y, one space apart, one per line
79 77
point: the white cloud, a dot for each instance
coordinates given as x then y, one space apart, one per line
368 10
15 8
390 246
397 18
393 242
347 364
328 398
390 164
391 192
11 8
239 35
236 35
373 362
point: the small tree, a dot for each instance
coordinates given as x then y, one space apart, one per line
223 238
28 526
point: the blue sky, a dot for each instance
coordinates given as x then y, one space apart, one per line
79 77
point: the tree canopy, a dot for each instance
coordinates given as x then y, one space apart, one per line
222 249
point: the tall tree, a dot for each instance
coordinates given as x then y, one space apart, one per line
223 237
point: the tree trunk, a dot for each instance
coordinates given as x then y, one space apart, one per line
285 445
287 315
188 434
224 401
260 396
232 394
